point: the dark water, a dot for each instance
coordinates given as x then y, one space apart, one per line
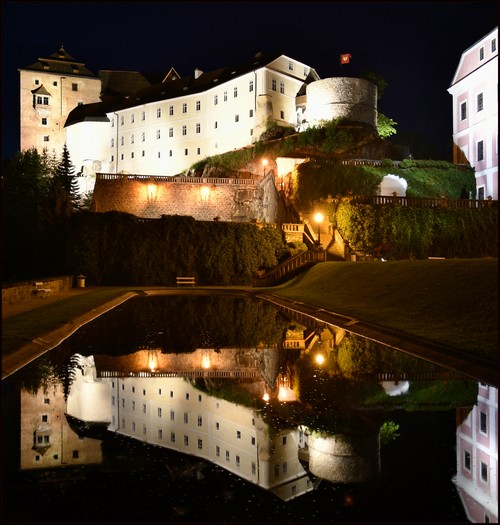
87 428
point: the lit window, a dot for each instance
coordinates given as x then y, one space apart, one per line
480 102
463 110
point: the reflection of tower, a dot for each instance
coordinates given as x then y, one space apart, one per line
477 458
46 438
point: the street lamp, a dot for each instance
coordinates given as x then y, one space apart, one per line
319 219
264 164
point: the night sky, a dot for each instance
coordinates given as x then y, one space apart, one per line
414 46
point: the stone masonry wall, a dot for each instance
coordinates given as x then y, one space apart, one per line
236 200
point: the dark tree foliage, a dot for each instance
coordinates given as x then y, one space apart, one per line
65 176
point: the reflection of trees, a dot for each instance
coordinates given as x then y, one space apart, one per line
181 324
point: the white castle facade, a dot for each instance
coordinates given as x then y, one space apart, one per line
128 122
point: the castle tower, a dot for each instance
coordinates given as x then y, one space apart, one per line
49 89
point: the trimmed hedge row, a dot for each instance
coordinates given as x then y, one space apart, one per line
117 248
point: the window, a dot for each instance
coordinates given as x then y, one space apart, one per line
143 116
276 471
235 92
493 45
480 152
250 86
237 461
186 417
171 393
227 455
132 118
46 138
159 391
170 153
186 152
159 154
217 451
253 441
160 433
171 111
157 133
467 460
159 412
121 156
200 444
133 405
184 108
282 115
198 151
225 96
236 118
75 454
217 426
290 66
198 105
200 421
170 134
44 121
484 471
112 122
273 85
463 110
250 113
481 53
37 82
480 102
483 423
74 87
254 469
199 398
158 112
198 128
184 130
132 139
284 440
186 441
285 467
238 434
143 137
122 140
215 125
143 408
172 415
282 88
216 100
172 437
143 153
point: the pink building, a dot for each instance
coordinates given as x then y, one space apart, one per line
477 457
475 113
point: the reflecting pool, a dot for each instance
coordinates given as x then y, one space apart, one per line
214 409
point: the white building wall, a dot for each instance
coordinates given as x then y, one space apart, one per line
477 75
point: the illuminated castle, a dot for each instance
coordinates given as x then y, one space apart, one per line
129 122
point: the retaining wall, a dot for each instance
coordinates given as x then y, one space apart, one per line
24 291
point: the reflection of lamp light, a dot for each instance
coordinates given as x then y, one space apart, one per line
151 192
319 219
205 193
264 164
153 360
320 359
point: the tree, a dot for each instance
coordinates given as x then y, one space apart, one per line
385 126
65 176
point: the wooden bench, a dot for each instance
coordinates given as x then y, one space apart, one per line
185 281
40 289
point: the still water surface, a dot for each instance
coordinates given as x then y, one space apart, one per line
203 409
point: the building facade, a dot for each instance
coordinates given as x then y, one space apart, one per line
474 89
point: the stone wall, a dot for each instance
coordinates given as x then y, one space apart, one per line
24 291
233 200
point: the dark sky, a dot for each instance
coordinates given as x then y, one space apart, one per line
414 46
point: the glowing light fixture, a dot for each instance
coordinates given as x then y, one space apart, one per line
318 218
152 192
264 164
205 362
320 359
153 360
205 193
265 397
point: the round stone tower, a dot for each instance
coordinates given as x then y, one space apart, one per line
354 99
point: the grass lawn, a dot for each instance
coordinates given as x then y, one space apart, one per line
451 301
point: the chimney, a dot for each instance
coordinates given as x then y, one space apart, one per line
197 73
